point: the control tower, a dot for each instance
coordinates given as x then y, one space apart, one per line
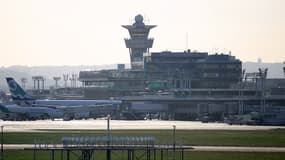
139 43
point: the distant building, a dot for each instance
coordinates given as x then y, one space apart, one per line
111 83
160 70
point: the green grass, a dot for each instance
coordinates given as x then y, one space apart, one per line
233 156
28 155
187 137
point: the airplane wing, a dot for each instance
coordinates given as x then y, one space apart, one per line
63 107
44 105
85 107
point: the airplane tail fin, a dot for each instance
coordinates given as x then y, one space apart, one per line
17 92
3 109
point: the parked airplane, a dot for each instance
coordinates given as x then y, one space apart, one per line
15 112
19 96
72 109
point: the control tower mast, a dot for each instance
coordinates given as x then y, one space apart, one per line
139 43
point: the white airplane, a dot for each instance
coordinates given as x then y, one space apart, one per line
15 112
19 96
72 109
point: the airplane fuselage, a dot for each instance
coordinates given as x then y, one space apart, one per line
83 103
34 112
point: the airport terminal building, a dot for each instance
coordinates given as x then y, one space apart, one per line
186 85
165 71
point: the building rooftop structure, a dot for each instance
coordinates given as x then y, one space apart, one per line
193 69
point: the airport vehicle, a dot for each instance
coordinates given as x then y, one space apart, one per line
20 97
15 112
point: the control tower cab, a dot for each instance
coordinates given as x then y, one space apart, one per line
138 43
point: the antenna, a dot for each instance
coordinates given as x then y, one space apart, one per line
131 20
284 68
224 51
146 19
187 41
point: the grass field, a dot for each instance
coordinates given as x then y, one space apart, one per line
28 155
265 138
274 138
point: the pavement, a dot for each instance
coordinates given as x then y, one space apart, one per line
194 148
238 149
90 124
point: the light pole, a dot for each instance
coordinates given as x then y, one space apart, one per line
2 138
174 141
108 151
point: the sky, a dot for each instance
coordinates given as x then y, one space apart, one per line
89 32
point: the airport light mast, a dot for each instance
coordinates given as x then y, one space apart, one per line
56 79
24 81
108 135
138 43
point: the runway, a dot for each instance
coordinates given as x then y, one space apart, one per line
45 125
195 148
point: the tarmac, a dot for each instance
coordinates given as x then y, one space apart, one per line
91 124
194 148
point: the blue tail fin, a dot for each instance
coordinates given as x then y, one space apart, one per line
17 92
3 109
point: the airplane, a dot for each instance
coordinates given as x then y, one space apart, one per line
72 109
15 112
20 97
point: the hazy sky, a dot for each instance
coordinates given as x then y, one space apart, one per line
89 32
